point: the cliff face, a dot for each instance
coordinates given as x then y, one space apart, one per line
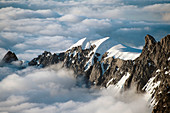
149 73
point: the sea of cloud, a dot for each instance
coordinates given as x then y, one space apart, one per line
55 90
29 27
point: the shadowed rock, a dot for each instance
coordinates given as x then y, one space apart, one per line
149 42
46 59
8 58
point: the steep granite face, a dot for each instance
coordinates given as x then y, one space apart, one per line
149 73
160 55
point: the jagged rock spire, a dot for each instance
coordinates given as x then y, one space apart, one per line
165 42
149 42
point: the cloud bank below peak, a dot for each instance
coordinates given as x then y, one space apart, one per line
54 90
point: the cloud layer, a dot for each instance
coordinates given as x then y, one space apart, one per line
26 25
54 90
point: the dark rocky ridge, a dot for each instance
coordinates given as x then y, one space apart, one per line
9 58
47 59
153 63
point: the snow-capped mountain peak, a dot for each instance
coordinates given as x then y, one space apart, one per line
107 44
78 43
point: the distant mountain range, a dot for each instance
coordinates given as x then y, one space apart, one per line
103 63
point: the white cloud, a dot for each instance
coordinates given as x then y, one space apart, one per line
13 100
54 90
166 16
16 104
129 29
3 52
47 109
157 8
17 13
100 24
44 43
100 1
71 18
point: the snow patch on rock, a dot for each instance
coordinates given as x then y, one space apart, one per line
119 86
79 43
97 44
109 82
118 52
150 89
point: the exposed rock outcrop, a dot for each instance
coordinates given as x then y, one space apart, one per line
46 59
9 58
